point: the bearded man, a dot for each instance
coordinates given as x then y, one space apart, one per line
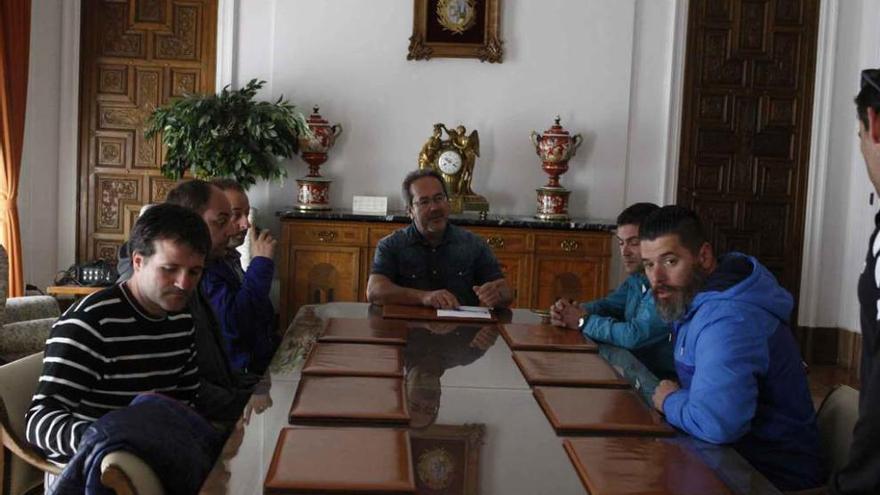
740 376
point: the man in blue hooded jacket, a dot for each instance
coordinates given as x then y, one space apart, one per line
627 317
740 376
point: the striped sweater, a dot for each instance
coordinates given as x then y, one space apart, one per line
100 354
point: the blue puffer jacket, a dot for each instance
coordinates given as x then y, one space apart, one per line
628 318
742 378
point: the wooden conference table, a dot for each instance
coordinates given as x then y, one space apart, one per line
495 436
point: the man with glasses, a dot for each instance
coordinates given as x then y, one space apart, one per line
862 473
431 262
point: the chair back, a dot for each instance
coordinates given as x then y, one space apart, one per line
18 381
127 474
836 418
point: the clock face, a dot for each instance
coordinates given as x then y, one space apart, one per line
449 162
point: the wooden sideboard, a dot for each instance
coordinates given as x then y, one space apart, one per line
327 257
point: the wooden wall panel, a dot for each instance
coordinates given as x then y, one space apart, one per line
746 126
136 55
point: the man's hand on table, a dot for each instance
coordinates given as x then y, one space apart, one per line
440 299
663 390
259 402
565 313
490 294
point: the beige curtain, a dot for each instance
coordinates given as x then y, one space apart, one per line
15 27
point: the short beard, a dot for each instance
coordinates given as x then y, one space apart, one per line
235 241
677 306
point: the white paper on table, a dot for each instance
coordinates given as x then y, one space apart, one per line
478 312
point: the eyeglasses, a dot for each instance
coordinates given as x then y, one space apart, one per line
439 198
869 76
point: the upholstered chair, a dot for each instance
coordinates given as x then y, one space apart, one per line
837 417
22 465
24 321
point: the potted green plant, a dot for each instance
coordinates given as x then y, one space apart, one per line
228 135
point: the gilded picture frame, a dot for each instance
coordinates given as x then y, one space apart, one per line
446 459
456 29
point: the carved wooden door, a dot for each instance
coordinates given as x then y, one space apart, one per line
746 126
136 54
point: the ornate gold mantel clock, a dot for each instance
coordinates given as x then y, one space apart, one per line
454 157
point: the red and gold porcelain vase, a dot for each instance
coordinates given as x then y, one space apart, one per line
313 190
555 147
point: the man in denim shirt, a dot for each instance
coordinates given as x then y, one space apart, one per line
433 263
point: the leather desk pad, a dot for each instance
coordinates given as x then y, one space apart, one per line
341 460
349 399
620 465
596 410
545 338
399 311
579 369
368 331
341 358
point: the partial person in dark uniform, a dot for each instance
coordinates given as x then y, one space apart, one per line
861 475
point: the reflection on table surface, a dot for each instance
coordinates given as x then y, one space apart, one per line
467 399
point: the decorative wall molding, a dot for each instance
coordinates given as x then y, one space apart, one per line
811 284
68 125
669 183
227 40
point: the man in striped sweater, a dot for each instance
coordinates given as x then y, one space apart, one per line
128 339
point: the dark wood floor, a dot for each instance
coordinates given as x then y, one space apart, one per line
823 378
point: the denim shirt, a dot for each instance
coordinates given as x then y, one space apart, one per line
461 261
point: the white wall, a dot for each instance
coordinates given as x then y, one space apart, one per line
829 296
610 68
38 184
605 67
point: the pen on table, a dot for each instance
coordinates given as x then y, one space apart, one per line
472 309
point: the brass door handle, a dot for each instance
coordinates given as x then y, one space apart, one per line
326 235
496 242
569 245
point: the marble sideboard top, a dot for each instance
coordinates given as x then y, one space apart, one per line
469 219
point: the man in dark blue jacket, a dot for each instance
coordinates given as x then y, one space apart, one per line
740 376
240 299
627 317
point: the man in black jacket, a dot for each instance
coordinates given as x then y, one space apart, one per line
224 391
861 475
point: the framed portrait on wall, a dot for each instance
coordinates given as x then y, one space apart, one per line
456 28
